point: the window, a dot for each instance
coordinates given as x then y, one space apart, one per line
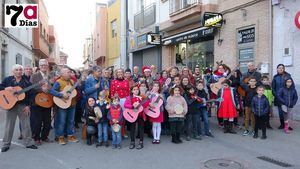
19 59
114 28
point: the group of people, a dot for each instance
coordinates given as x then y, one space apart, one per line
114 103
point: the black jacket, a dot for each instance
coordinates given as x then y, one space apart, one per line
193 104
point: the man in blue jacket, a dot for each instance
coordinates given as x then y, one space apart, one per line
92 85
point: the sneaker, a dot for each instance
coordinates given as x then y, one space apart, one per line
4 149
72 139
106 144
157 141
198 138
255 135
20 137
263 137
61 140
114 146
209 135
34 147
99 144
252 132
140 146
290 128
246 133
119 146
153 141
188 138
132 146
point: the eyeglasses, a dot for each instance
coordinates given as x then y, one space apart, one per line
18 69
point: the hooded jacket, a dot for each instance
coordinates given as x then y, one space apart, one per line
288 96
260 105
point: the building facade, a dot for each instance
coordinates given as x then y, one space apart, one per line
100 35
144 19
88 53
185 41
245 35
15 44
41 34
286 39
54 48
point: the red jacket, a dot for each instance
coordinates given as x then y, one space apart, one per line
121 87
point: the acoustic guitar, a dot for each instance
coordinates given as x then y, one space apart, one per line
215 87
154 111
44 100
9 98
69 90
131 115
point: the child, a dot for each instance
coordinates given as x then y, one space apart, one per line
260 107
132 102
288 97
193 125
91 119
268 93
250 93
115 117
203 108
176 118
227 108
156 122
103 122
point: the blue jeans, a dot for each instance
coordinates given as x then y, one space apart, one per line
280 112
91 130
116 137
102 131
204 115
65 119
196 122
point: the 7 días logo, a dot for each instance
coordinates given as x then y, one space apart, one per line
21 15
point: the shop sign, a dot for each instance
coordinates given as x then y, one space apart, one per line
297 19
154 39
190 36
142 41
211 19
246 35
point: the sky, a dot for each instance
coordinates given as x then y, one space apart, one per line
72 21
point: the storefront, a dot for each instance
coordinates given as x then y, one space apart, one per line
143 53
191 48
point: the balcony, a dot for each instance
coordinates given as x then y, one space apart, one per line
145 17
180 9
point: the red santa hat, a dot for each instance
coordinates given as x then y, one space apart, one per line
146 68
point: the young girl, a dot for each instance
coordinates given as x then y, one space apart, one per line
227 108
91 119
156 122
177 109
103 122
132 102
115 117
193 126
288 97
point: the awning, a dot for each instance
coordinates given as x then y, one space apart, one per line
189 35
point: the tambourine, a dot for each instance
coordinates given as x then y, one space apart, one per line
98 112
178 109
116 127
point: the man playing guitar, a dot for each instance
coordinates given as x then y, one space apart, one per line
65 117
20 109
41 116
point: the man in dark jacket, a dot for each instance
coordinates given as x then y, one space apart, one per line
260 107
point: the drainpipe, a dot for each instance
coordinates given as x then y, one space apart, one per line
271 37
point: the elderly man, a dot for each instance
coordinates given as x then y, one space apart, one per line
65 117
41 116
136 76
252 71
92 85
20 109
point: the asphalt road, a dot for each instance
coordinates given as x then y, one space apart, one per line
189 155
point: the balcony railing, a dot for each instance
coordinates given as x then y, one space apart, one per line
181 5
145 17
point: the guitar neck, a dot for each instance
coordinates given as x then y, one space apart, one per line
27 89
141 103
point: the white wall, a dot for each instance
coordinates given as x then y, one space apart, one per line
287 35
